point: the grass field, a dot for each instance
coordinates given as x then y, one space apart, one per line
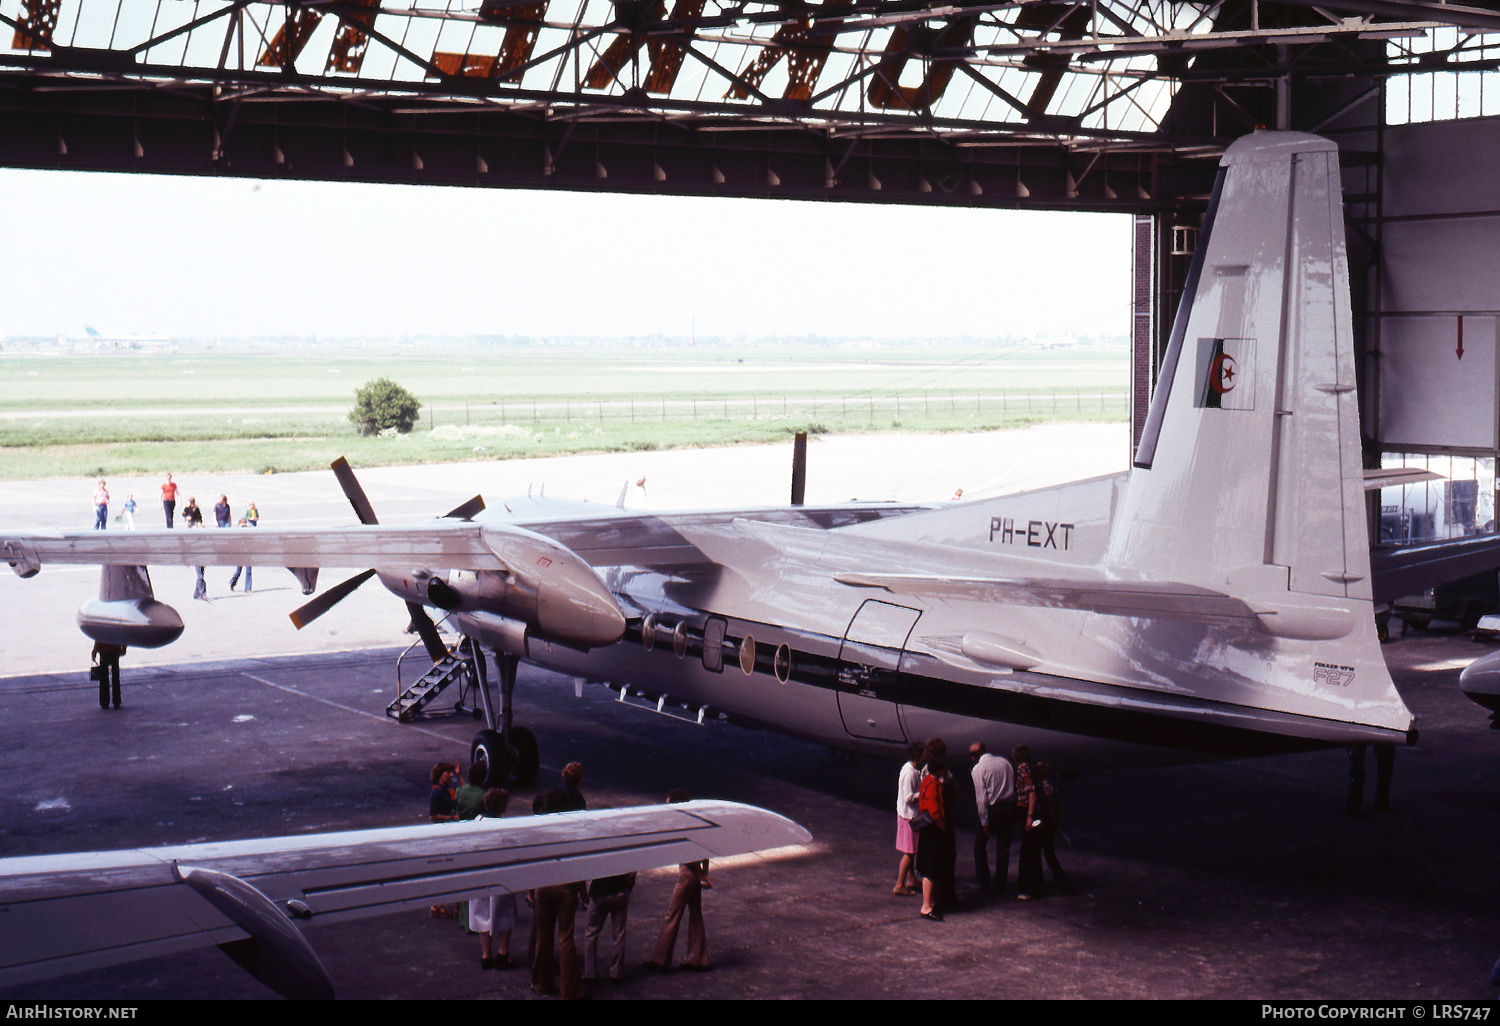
223 410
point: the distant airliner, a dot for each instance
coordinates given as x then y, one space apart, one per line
101 341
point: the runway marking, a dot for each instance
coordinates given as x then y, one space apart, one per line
1441 664
755 858
751 858
175 666
348 709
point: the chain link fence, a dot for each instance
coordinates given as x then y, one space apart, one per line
909 408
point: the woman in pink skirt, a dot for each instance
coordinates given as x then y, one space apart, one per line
908 787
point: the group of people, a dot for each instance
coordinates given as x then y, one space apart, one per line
1005 790
554 909
192 516
101 508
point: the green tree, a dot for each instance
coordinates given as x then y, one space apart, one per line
383 404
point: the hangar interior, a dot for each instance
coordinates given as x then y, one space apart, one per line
1122 106
1108 105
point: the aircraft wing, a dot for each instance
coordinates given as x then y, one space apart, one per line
71 913
1411 570
1171 719
612 539
445 544
628 538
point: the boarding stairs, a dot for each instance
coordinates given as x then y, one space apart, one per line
454 667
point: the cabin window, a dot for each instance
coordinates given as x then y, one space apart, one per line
713 644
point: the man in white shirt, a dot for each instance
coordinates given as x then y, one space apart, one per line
995 794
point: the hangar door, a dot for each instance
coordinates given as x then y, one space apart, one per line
1431 322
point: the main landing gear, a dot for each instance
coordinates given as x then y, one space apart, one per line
502 746
520 754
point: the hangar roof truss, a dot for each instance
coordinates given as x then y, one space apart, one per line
1069 81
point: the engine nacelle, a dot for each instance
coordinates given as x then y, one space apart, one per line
131 623
1481 681
561 599
498 632
126 613
506 594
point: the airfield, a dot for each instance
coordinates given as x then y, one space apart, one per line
1226 880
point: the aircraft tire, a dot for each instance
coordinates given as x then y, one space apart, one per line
528 758
488 746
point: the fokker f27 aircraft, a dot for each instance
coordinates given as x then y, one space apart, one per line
1213 601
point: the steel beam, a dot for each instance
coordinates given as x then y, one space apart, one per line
191 130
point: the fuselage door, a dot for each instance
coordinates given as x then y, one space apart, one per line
869 661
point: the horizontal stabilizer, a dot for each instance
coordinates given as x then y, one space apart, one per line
1390 477
1302 617
1114 598
1171 719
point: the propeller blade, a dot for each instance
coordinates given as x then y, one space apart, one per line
306 614
467 510
431 639
353 492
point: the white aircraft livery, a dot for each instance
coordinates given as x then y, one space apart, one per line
1213 601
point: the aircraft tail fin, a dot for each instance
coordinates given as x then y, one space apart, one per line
1248 475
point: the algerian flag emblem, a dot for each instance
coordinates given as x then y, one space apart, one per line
1225 374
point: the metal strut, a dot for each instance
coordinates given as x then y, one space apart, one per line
482 683
508 664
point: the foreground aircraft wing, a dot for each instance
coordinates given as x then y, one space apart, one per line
71 913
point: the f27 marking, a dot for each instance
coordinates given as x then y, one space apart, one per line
1331 673
1038 534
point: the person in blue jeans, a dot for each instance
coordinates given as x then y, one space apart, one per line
248 570
101 506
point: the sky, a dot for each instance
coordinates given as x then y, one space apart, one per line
206 257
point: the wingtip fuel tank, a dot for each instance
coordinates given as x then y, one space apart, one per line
127 613
130 623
